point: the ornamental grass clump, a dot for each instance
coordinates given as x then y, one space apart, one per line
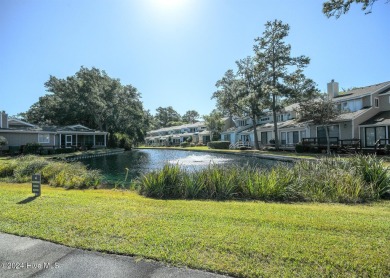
73 176
26 166
266 185
7 169
217 182
331 180
334 179
164 183
375 173
64 174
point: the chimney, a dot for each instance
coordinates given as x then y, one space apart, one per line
333 89
3 119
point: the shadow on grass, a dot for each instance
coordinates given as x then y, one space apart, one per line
27 200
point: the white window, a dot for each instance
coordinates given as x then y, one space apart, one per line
44 138
376 102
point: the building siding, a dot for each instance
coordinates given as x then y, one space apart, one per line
366 101
384 103
19 139
345 130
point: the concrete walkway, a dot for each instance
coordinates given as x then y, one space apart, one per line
27 257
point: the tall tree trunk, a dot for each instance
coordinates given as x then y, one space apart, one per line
275 121
327 140
254 120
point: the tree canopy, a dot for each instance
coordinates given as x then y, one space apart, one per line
274 59
167 116
270 79
214 124
242 93
91 98
190 117
321 111
338 7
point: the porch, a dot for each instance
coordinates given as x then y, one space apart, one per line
82 141
336 145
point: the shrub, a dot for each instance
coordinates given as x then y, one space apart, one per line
300 148
3 141
72 175
14 150
218 145
52 170
184 144
69 175
28 165
7 168
65 150
31 148
120 140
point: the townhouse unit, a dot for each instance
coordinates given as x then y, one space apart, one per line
174 135
19 133
365 115
290 129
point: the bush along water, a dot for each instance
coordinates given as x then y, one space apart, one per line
345 180
55 173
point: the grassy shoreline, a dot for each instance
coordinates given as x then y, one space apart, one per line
243 239
333 179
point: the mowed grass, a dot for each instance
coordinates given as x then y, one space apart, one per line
243 239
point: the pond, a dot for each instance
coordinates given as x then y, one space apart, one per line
141 161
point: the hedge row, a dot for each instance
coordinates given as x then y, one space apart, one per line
219 145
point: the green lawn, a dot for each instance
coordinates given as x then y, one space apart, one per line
244 239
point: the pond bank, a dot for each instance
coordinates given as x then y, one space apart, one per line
87 154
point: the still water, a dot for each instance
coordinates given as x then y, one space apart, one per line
141 161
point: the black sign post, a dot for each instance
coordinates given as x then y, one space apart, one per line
36 184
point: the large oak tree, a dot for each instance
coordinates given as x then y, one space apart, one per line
242 94
91 98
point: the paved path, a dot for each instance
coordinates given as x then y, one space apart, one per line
27 257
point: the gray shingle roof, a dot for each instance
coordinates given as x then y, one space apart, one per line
380 119
349 116
362 91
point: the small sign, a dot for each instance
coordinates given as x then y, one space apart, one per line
36 184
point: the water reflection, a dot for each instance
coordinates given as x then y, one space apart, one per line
200 160
141 161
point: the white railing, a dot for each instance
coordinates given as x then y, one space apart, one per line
240 144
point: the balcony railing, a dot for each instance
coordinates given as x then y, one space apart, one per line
320 141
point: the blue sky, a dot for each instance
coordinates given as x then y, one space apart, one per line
174 51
